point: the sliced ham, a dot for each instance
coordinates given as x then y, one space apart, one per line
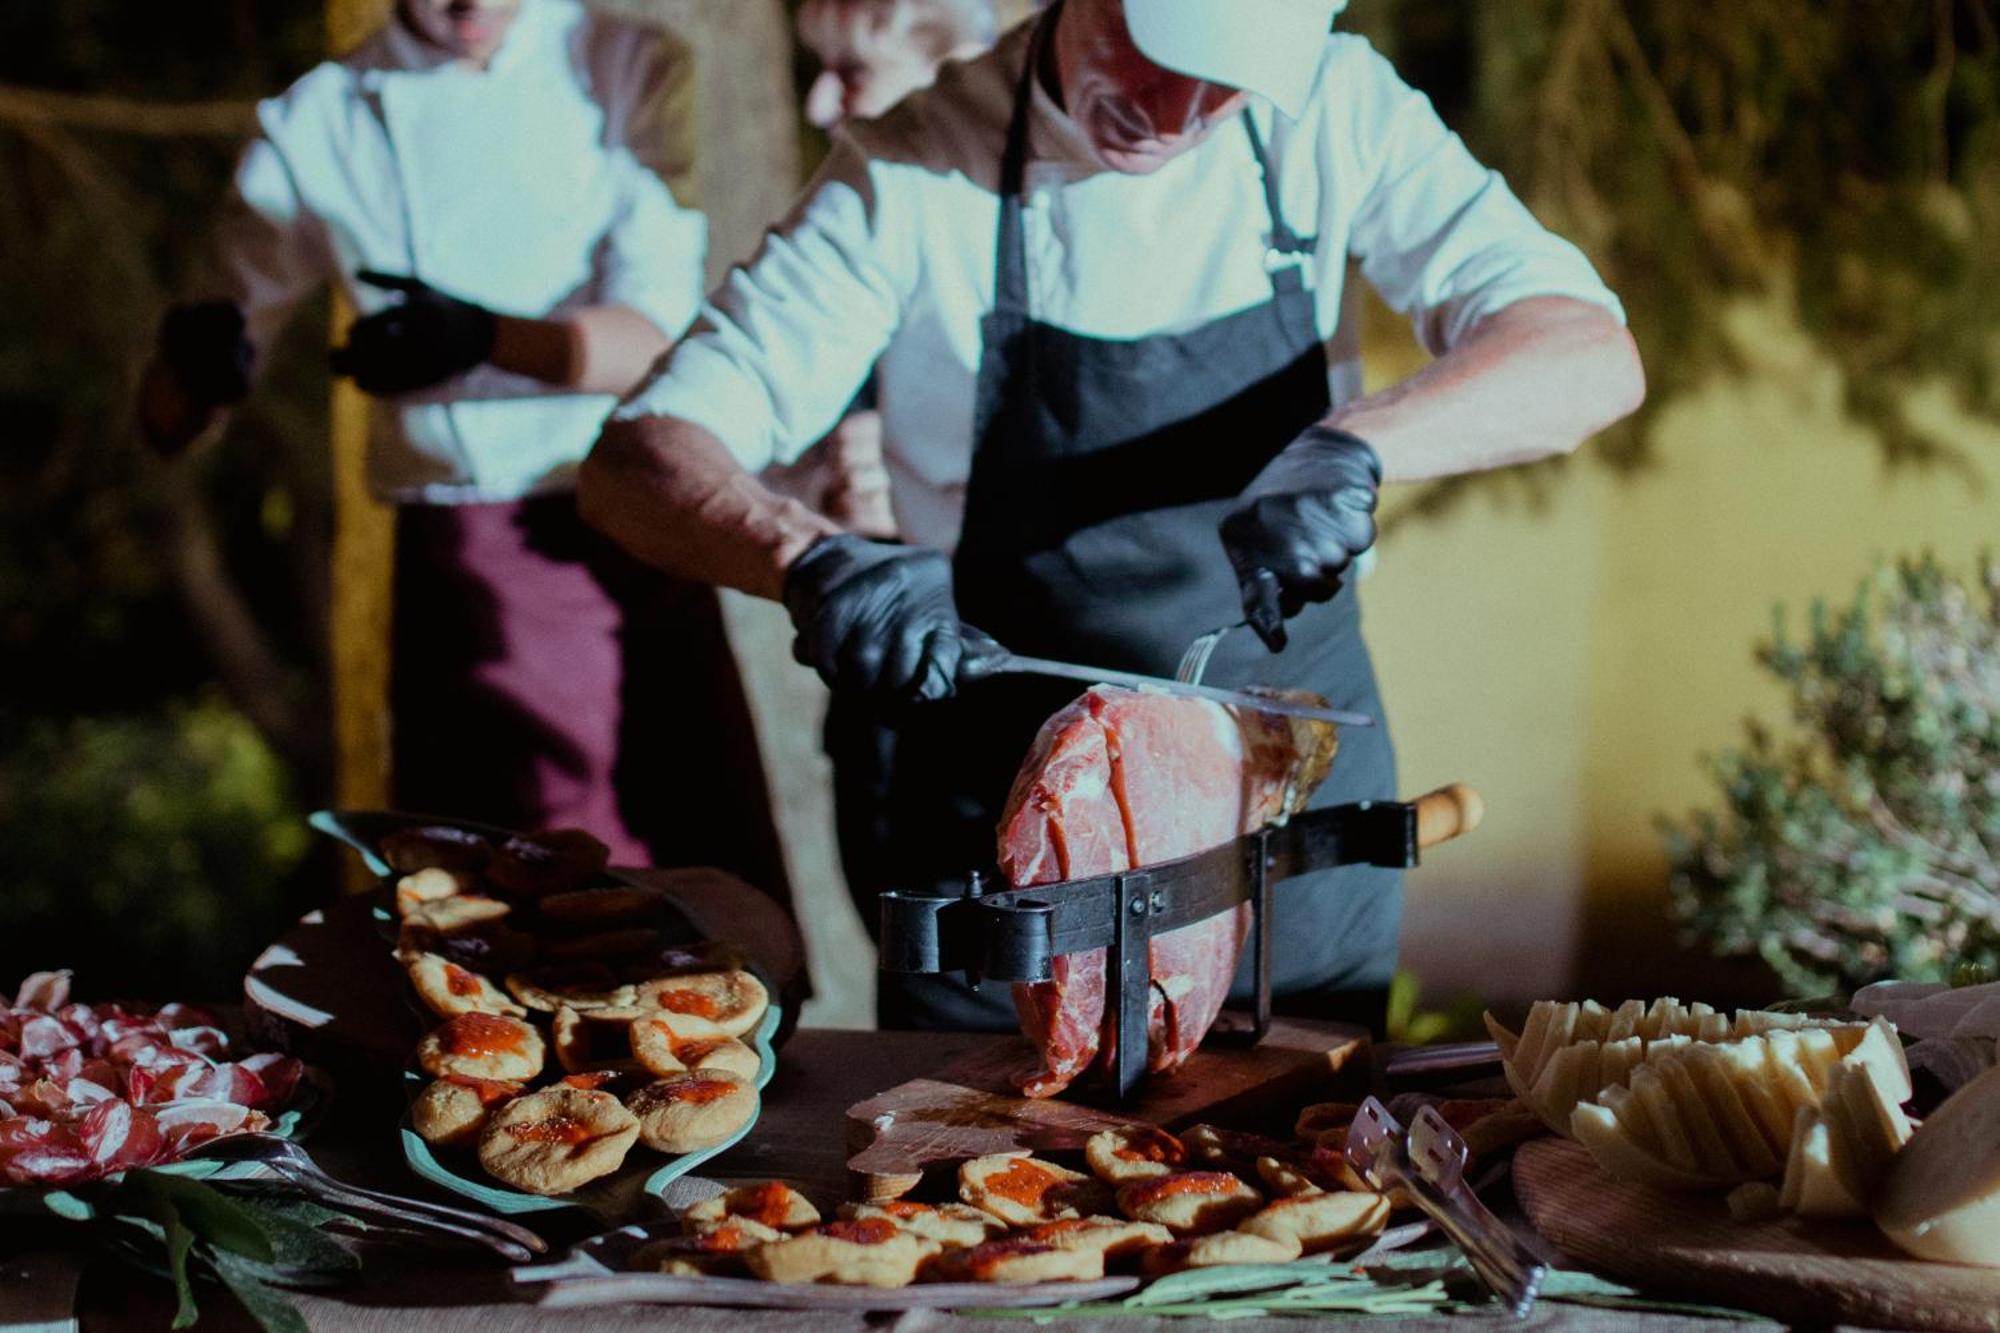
46 991
1119 779
279 1076
184 1124
44 1035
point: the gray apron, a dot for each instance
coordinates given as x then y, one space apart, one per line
1101 469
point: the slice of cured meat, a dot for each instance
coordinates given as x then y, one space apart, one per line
1121 778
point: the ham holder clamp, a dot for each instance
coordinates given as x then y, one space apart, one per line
1014 935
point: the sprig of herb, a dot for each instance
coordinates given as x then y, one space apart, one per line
1428 1282
252 1243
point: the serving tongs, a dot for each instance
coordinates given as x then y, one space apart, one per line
1426 1165
277 1158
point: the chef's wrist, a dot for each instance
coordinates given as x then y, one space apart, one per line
825 560
545 351
1333 442
807 544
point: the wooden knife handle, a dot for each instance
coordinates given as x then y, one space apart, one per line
1448 812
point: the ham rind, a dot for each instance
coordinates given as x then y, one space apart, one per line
1166 777
1063 822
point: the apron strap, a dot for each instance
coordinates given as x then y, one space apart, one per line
1286 260
1010 259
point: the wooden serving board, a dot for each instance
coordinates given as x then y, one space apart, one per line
1687 1245
970 1107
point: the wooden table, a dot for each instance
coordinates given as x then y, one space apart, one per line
800 1138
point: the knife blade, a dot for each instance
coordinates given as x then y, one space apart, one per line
985 656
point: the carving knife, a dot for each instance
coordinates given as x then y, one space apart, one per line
985 656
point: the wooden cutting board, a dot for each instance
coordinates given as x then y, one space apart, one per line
1687 1245
969 1107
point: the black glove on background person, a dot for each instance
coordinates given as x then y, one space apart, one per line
206 348
422 340
875 618
1303 520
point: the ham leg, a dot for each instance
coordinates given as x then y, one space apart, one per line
1121 778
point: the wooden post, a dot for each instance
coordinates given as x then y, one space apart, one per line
364 536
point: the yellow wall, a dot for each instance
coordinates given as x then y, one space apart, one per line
1575 663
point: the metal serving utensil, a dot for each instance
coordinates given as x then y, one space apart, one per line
985 656
1426 1164
1194 659
1465 1059
287 1161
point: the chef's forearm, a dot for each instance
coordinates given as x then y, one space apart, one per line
670 493
1534 379
599 349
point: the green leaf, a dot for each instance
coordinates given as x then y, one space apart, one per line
217 1219
267 1306
1197 1283
179 1240
302 1252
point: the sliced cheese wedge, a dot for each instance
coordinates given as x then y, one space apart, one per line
1871 1128
1599 1131
1569 1053
1741 1133
1814 1185
1880 1052
1746 1064
1941 1198
1689 1105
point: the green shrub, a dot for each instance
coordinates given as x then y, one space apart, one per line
1868 846
153 852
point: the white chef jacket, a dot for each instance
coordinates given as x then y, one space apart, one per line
889 255
537 185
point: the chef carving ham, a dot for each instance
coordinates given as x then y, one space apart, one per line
1120 779
87 1090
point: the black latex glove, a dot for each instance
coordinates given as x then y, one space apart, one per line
205 347
424 339
875 618
1302 522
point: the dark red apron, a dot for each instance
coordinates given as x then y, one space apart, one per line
543 678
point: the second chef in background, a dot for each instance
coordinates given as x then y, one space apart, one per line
500 188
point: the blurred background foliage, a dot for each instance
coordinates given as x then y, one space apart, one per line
1839 157
1866 843
162 658
161 655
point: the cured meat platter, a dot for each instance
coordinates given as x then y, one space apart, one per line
1817 1272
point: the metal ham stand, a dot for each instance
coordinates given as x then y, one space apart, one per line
1014 934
